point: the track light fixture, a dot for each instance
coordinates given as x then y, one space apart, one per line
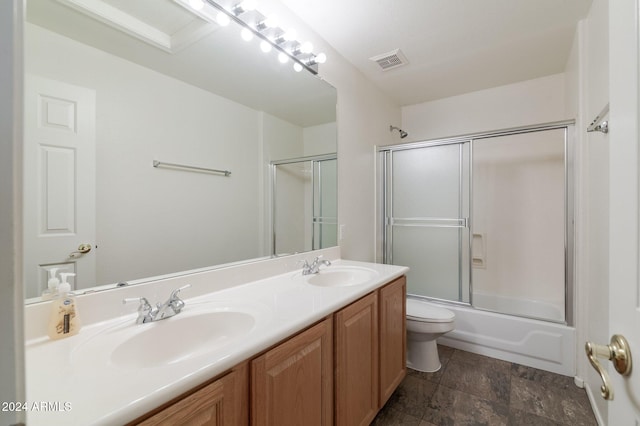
265 28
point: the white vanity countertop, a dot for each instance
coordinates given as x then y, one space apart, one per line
77 380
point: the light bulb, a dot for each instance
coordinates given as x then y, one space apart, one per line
306 47
297 67
265 46
321 58
283 58
196 4
246 34
290 34
223 19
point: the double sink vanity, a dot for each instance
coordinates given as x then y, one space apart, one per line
260 343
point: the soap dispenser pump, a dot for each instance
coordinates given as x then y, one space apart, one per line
52 285
64 319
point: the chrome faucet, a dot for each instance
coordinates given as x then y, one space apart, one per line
147 313
314 268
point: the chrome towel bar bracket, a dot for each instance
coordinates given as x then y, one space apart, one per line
599 124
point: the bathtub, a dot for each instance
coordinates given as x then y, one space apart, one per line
540 344
520 307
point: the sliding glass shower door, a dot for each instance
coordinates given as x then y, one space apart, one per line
484 220
427 218
519 224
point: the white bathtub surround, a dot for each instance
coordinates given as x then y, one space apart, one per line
539 344
519 306
101 388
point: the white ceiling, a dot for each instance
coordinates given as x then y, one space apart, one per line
453 46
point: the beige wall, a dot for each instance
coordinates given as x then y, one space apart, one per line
519 104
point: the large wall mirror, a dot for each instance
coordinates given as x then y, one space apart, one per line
112 86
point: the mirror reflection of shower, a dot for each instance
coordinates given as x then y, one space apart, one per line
403 134
304 204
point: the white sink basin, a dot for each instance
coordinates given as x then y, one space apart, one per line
178 338
342 276
204 329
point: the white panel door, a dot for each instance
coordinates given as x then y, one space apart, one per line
624 283
59 182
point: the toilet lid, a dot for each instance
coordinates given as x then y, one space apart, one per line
422 311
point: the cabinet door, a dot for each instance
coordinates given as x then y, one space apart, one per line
356 369
292 384
393 337
222 402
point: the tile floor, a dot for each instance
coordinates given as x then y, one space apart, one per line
473 389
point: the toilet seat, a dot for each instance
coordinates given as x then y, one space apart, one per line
424 312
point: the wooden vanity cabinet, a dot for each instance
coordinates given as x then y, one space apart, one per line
356 362
292 384
393 337
370 362
221 402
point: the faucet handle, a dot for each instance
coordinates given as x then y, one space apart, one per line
145 310
144 303
305 266
174 302
320 261
174 293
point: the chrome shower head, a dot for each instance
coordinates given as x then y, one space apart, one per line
403 134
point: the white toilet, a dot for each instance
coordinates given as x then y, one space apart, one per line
425 323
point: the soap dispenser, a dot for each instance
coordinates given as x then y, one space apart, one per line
52 285
64 319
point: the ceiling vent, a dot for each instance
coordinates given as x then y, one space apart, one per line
390 60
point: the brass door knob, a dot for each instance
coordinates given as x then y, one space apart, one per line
618 352
82 249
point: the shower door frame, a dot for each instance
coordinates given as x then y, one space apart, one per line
315 160
385 154
461 223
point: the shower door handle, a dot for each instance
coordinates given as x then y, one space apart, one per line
618 352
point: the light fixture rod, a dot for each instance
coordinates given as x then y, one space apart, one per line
311 68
